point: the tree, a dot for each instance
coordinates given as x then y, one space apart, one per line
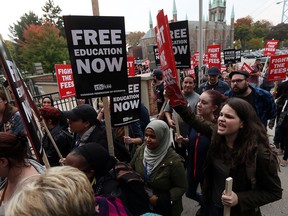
43 44
52 15
17 28
133 38
243 33
278 32
255 43
244 21
260 28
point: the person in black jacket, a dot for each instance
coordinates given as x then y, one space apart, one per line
62 138
83 122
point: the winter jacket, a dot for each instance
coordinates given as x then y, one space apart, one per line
167 180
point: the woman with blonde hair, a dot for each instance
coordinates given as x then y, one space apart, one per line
59 191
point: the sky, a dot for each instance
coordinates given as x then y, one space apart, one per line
136 12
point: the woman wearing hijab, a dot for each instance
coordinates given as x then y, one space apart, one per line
162 170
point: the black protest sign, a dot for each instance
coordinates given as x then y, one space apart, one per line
125 108
156 55
23 101
229 56
180 43
97 48
238 55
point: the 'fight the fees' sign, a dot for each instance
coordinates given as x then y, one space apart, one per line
271 47
65 80
278 68
214 56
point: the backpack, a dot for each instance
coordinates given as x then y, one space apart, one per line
127 185
110 206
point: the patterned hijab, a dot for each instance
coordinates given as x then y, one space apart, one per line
153 157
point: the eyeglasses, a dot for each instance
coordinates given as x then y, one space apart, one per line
237 81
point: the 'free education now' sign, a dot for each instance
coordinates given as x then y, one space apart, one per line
97 48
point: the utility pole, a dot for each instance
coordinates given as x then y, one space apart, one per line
284 17
200 42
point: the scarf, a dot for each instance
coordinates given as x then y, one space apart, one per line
153 157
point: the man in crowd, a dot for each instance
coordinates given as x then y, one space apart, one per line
261 100
213 82
158 88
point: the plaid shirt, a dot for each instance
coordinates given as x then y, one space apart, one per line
264 104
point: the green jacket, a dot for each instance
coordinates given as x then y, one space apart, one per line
168 176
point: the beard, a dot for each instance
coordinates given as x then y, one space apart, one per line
239 91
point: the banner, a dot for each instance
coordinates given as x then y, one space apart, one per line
247 68
214 56
180 43
163 39
23 101
229 56
130 66
97 48
125 108
196 55
65 80
270 48
156 55
278 68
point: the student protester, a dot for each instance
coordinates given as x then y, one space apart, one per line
10 119
62 138
101 170
58 191
213 82
188 86
83 122
47 101
15 167
239 149
208 108
261 100
158 88
162 170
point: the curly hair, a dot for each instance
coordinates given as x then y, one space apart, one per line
249 138
60 191
52 113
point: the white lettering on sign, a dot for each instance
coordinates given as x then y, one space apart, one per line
178 33
64 71
211 50
160 36
13 71
180 49
27 109
98 65
99 37
64 85
133 88
126 105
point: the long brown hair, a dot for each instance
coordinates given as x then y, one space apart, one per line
249 138
14 148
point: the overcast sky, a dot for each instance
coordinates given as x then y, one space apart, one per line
136 12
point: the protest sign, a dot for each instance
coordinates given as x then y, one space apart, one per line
156 55
196 55
23 101
229 56
130 66
270 48
238 55
65 80
278 68
97 48
125 108
214 56
180 43
163 39
247 68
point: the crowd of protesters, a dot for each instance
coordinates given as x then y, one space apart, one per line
222 133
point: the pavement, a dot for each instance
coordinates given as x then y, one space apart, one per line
278 208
